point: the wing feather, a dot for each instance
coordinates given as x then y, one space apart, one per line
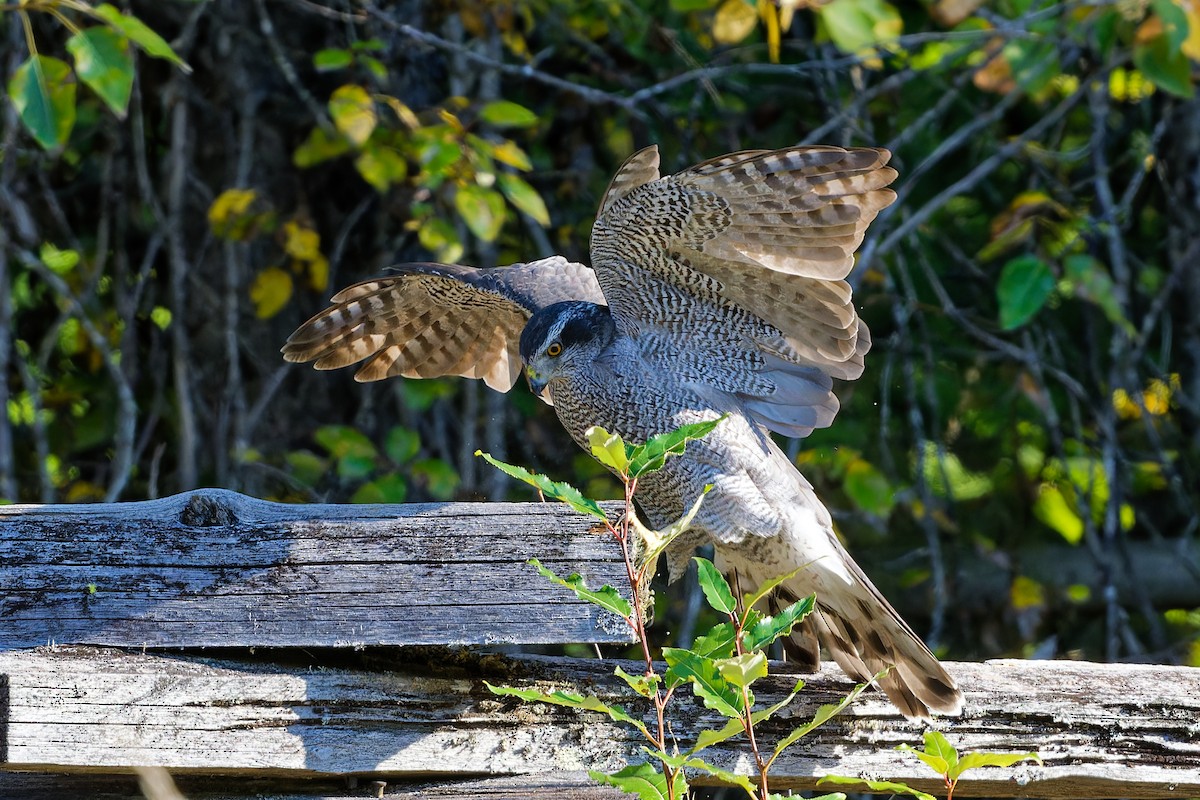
429 320
733 270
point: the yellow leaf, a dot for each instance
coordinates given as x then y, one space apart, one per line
734 21
507 152
301 242
403 112
1026 593
1157 397
353 113
1124 406
228 213
270 292
770 18
1191 45
318 273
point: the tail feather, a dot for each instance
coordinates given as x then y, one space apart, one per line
865 636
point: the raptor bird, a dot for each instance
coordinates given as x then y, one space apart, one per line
716 291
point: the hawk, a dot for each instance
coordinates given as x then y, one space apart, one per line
718 291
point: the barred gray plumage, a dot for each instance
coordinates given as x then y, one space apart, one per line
716 291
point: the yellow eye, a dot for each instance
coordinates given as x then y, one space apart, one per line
554 349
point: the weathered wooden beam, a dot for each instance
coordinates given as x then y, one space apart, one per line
216 568
548 786
1103 730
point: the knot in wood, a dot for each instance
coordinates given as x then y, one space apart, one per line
206 511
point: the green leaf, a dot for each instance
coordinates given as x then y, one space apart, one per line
43 92
59 261
381 166
751 600
401 444
439 478
330 59
103 61
353 113
717 643
524 197
1166 67
569 700
306 467
343 440
875 786
716 588
139 34
319 146
608 448
1025 285
1052 508
658 541
692 5
439 236
937 746
823 715
1174 21
482 210
868 488
651 456
505 114
974 760
856 25
768 629
390 488
743 670
161 316
643 780
707 681
679 762
707 738
555 490
642 684
606 596
1090 281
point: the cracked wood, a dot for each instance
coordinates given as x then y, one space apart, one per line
216 568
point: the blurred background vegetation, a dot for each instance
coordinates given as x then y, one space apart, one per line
1017 468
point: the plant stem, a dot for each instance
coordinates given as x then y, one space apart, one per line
738 619
638 623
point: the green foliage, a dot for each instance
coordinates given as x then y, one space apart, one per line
1025 285
722 665
555 490
941 757
606 596
716 588
43 88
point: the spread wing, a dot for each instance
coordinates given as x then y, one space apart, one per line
429 320
731 273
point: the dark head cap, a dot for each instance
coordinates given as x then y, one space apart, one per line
570 323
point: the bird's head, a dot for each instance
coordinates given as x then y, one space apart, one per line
562 339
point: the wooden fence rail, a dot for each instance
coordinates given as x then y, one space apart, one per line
216 568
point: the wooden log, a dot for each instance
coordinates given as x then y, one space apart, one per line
549 786
215 568
1103 730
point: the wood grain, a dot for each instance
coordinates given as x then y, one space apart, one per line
1103 730
216 568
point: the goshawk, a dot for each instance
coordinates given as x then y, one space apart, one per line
716 291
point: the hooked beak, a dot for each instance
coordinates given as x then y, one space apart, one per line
537 384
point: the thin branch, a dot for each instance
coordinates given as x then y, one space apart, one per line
526 72
972 178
